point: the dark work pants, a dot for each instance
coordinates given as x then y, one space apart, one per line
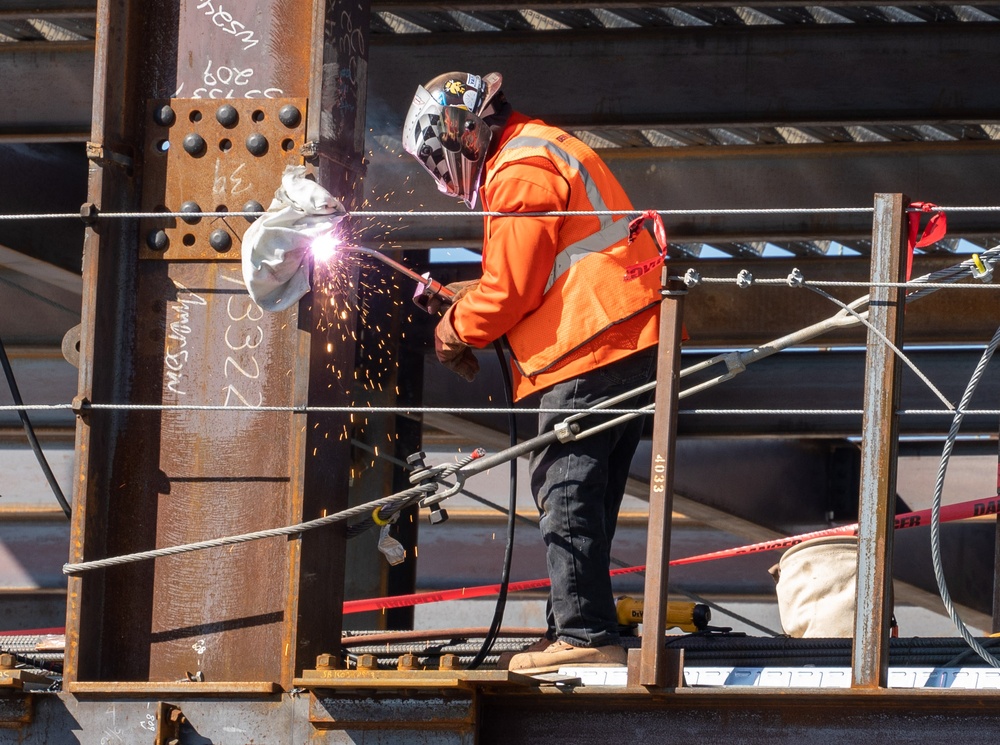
578 488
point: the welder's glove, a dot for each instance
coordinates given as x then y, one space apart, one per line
451 351
436 304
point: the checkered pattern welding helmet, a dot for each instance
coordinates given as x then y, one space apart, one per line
444 130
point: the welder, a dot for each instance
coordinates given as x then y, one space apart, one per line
578 333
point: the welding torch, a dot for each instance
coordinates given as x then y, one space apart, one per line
427 287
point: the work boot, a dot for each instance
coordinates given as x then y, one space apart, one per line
503 662
560 654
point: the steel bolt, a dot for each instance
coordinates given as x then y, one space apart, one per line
177 716
438 514
252 206
194 144
325 660
367 662
448 662
157 240
227 116
164 116
407 661
89 213
220 240
257 144
7 661
190 206
80 405
289 116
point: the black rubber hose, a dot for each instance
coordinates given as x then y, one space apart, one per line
30 432
508 555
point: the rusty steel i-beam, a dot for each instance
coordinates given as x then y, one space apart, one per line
879 441
653 663
201 107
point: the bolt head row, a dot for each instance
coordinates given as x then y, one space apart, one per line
228 116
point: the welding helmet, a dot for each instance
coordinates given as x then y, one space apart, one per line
444 130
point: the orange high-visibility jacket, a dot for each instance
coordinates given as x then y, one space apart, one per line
555 284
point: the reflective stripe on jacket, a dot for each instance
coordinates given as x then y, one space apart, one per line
555 284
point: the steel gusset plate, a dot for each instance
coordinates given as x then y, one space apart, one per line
223 155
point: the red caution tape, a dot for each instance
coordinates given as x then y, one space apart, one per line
949 513
659 231
935 230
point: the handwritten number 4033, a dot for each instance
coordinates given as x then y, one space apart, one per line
227 23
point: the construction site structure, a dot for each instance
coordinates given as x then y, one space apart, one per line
198 416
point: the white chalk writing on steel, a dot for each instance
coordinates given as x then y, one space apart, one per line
244 326
232 184
231 78
175 355
227 23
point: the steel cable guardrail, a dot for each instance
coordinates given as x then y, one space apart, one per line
89 213
570 430
93 214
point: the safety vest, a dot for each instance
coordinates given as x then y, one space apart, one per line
586 294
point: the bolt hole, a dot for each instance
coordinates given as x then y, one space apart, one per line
221 208
195 116
257 116
225 145
288 144
188 239
162 146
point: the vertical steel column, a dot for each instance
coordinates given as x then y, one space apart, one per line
996 562
339 80
879 445
203 104
653 656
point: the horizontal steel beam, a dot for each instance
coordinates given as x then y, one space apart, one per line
714 76
424 6
767 399
429 6
50 11
515 714
697 178
43 179
723 315
50 84
699 715
709 76
50 6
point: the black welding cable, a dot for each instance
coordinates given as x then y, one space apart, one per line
30 432
508 555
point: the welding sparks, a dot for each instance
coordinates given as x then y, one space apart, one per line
325 246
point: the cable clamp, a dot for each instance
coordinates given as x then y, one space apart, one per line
451 491
744 279
734 363
983 271
796 278
437 474
692 278
566 431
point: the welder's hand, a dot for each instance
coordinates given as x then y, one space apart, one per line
451 351
436 304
